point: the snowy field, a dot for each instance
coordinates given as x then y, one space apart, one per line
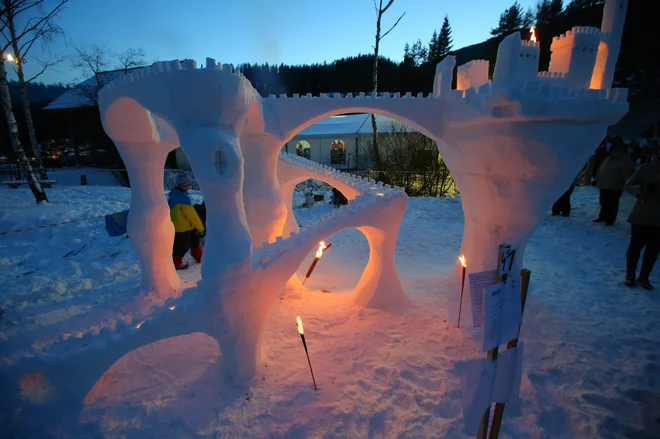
592 346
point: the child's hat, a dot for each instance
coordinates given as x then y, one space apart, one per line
182 180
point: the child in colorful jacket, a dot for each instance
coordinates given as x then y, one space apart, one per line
187 224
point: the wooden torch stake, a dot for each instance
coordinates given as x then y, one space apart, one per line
498 413
482 433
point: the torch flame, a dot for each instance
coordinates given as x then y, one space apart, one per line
299 325
533 37
322 247
463 262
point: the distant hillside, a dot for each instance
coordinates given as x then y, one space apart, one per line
40 94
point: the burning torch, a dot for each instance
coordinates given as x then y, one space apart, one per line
302 336
319 253
460 306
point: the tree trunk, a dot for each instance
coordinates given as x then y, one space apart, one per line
378 164
30 125
26 100
24 164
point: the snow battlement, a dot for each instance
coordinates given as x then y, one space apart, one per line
472 74
373 95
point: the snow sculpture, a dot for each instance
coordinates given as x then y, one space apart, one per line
513 147
472 74
143 141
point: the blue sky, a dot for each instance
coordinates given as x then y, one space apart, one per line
273 31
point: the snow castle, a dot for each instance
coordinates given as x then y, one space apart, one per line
513 147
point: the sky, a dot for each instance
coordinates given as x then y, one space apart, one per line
258 31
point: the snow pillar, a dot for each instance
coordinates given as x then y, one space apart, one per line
380 286
144 152
215 157
509 174
265 209
150 228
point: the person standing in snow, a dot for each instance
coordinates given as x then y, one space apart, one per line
600 155
611 180
644 220
187 223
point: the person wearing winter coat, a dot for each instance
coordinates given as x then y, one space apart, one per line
611 180
600 155
645 221
187 224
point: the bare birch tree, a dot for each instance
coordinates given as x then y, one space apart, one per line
380 10
39 26
26 168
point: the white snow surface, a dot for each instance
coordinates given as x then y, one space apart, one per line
592 356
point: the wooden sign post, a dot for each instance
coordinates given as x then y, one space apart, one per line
482 433
506 258
499 407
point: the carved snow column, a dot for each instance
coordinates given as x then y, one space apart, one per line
265 208
509 174
212 106
144 152
444 73
380 286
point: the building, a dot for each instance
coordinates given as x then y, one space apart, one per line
339 141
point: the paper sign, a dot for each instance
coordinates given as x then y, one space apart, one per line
508 375
502 313
477 378
478 284
484 381
506 261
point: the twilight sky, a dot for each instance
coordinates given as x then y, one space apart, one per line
273 31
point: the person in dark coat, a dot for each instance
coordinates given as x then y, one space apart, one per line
600 155
611 180
645 221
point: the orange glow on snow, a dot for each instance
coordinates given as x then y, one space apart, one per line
299 325
533 37
322 247
463 261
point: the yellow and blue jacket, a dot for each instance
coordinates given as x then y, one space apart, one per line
183 214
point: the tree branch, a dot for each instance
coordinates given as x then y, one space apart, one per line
44 66
382 11
397 22
42 20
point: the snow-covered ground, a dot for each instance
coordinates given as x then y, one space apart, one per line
592 355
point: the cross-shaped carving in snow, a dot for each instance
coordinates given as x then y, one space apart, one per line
219 162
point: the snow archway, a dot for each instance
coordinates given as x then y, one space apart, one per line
513 146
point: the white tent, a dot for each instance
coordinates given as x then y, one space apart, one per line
338 141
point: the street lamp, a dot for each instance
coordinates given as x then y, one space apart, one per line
9 57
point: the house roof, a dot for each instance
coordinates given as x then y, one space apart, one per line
346 125
81 94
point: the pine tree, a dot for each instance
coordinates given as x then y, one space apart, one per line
418 53
582 4
548 11
433 48
444 40
511 20
408 59
528 19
